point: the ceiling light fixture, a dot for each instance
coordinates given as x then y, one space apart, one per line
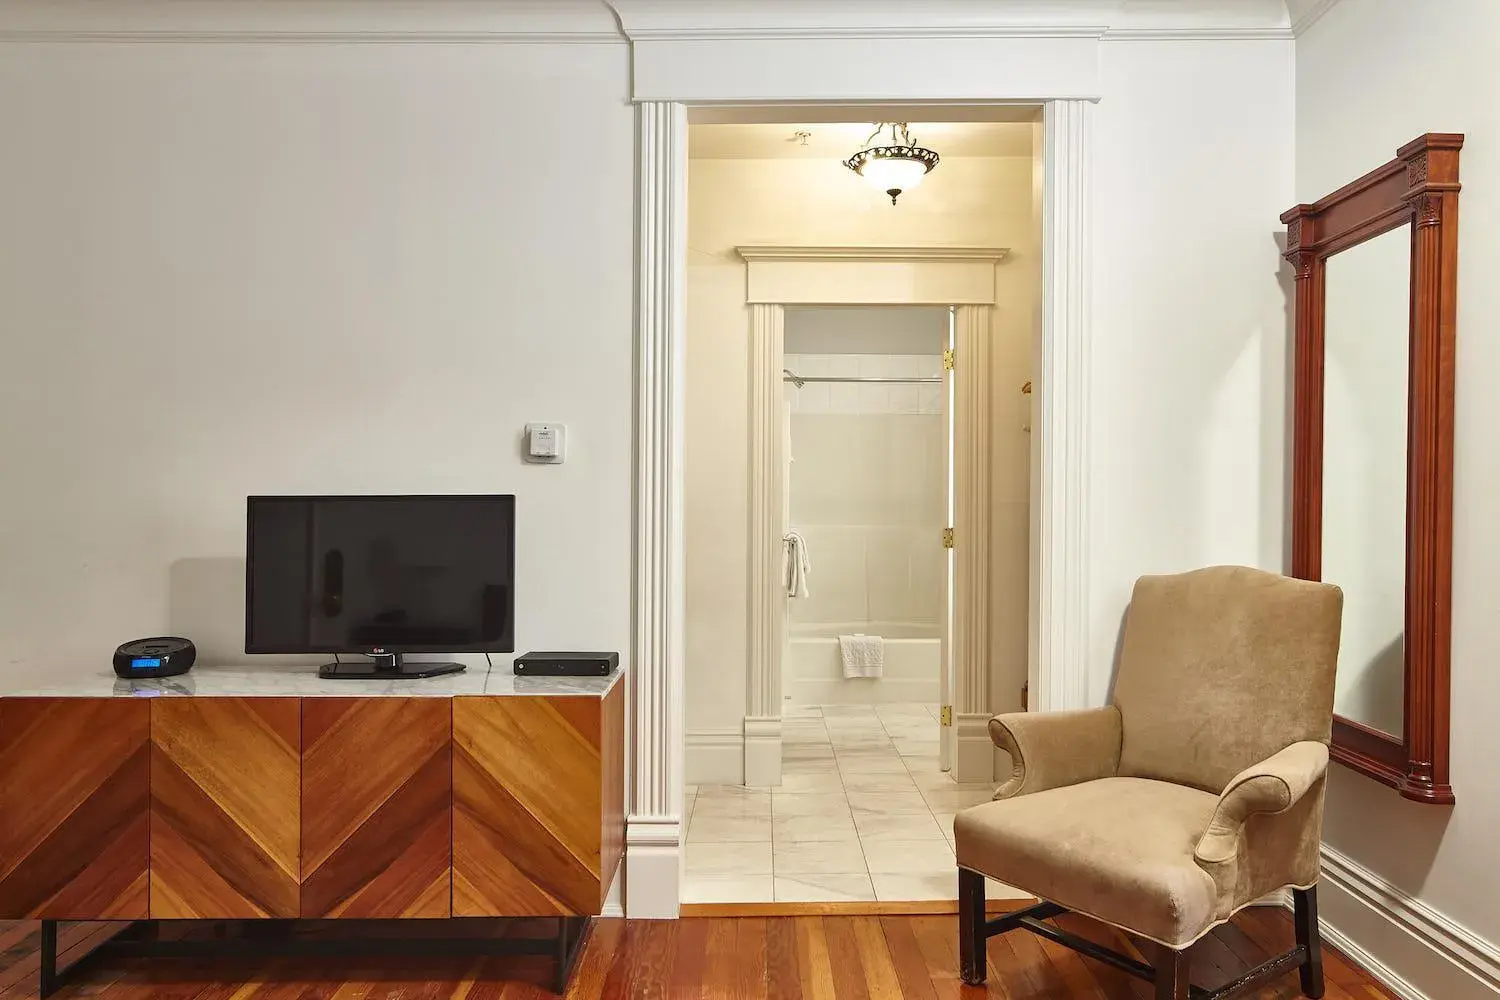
899 166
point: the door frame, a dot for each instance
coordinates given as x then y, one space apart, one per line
780 276
1059 627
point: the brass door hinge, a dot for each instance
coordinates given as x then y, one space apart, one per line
947 538
946 715
948 359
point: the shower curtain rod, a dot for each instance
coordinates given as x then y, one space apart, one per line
800 380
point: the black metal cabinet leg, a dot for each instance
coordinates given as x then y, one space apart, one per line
971 960
1305 917
1171 974
48 983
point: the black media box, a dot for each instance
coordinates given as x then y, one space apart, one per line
566 664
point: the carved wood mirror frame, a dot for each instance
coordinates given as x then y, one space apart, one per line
1420 188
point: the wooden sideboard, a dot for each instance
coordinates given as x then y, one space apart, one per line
200 798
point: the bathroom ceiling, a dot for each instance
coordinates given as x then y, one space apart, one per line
781 141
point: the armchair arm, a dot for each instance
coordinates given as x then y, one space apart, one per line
1053 749
1272 786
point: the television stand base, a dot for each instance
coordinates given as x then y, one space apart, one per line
386 666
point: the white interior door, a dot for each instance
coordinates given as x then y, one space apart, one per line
947 732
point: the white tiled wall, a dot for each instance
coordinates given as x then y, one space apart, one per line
868 491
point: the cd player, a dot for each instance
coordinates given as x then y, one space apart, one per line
160 656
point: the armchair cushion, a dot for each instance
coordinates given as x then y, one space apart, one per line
1117 849
1055 749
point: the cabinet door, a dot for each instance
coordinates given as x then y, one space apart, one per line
527 806
376 807
73 808
225 799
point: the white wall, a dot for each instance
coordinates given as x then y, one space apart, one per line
1193 164
300 268
1371 75
732 202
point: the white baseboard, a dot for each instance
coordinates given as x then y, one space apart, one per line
1414 950
715 757
975 757
762 752
653 867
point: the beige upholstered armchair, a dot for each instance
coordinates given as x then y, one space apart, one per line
1197 792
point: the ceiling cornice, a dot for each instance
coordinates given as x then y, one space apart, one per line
1305 13
464 21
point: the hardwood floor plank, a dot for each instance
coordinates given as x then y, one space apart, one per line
881 981
907 959
812 959
749 980
781 958
783 979
594 964
844 960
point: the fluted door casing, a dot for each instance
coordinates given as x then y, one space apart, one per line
73 788
376 807
225 807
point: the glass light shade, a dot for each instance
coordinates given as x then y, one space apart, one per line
893 173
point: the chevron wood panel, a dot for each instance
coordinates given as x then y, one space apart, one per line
225 807
376 807
528 804
73 801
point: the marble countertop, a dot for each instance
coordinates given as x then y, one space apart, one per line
293 681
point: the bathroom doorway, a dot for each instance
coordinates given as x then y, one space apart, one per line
868 510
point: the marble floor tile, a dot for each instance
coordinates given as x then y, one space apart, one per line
810 754
952 800
999 890
837 888
801 712
804 782
707 792
855 762
813 856
925 746
848 711
727 829
746 808
909 856
831 804
895 826
728 859
878 781
890 802
895 887
795 829
728 889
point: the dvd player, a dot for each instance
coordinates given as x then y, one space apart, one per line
566 664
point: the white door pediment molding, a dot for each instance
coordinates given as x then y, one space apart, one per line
887 275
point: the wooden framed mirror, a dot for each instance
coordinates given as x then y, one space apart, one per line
1372 451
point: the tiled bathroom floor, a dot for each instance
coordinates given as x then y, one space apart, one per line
863 813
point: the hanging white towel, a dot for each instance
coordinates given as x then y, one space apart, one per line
796 565
863 655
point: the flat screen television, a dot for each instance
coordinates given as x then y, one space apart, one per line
378 577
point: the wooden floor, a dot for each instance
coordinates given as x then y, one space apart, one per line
817 958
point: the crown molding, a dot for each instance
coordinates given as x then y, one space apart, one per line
1121 20
241 21
754 254
1305 13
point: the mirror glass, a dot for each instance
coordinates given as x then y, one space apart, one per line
1366 337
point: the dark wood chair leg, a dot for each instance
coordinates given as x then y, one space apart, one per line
1305 917
971 960
1171 974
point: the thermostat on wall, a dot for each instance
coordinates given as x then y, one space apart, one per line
544 443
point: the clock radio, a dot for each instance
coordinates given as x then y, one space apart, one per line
161 656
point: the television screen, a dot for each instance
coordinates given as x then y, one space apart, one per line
414 574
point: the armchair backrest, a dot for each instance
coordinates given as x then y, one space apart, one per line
1222 667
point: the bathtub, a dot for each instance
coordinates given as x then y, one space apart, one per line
814 674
